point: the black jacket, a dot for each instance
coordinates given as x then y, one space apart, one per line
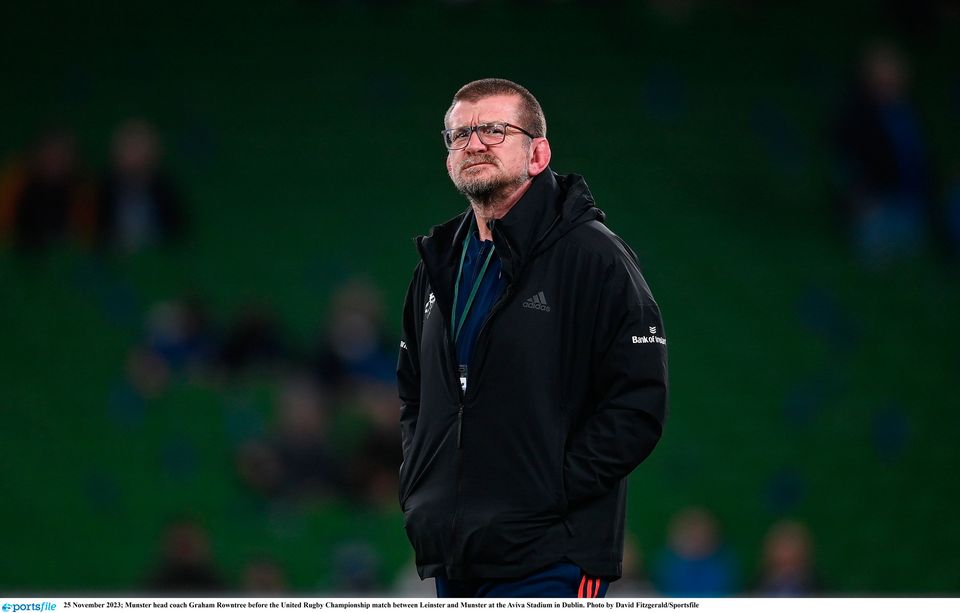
567 394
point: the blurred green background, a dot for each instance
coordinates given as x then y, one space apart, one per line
304 137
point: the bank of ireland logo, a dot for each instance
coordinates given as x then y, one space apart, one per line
428 308
653 338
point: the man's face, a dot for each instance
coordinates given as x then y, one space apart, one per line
484 172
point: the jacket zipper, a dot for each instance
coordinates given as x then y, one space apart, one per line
456 506
455 373
462 395
507 293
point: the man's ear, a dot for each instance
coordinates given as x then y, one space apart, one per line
449 166
539 156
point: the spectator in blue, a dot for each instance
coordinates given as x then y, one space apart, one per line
138 205
179 332
695 561
356 347
885 165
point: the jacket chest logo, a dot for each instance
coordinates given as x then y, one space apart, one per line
428 308
537 302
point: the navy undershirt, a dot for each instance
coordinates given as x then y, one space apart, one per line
491 287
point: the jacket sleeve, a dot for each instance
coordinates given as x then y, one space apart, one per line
408 364
629 362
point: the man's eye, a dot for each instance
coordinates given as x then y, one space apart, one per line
460 133
492 129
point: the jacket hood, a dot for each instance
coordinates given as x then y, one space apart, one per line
551 207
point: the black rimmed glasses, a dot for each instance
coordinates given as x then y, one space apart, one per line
488 133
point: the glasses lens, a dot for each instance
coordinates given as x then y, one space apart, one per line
456 138
492 133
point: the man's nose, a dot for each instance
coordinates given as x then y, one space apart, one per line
474 143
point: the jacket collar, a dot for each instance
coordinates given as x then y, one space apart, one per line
551 207
515 235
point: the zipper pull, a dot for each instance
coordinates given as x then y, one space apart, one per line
460 428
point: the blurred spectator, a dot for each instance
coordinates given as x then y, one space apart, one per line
886 170
147 372
264 577
253 342
788 562
297 460
356 570
634 582
179 332
186 566
52 201
138 204
375 467
356 345
695 562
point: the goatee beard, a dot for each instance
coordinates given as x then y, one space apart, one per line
488 194
485 194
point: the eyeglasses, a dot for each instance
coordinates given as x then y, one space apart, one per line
488 133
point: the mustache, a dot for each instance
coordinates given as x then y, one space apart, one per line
479 159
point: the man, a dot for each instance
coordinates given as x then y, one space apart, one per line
532 370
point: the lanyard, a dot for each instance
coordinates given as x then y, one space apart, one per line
473 291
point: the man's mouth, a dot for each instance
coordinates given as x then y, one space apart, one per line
472 164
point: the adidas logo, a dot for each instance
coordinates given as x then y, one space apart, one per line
538 301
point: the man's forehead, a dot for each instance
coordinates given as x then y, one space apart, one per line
489 108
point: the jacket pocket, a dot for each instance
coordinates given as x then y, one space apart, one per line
427 532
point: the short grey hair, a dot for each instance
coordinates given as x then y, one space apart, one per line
531 115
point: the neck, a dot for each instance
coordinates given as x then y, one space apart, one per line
496 209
